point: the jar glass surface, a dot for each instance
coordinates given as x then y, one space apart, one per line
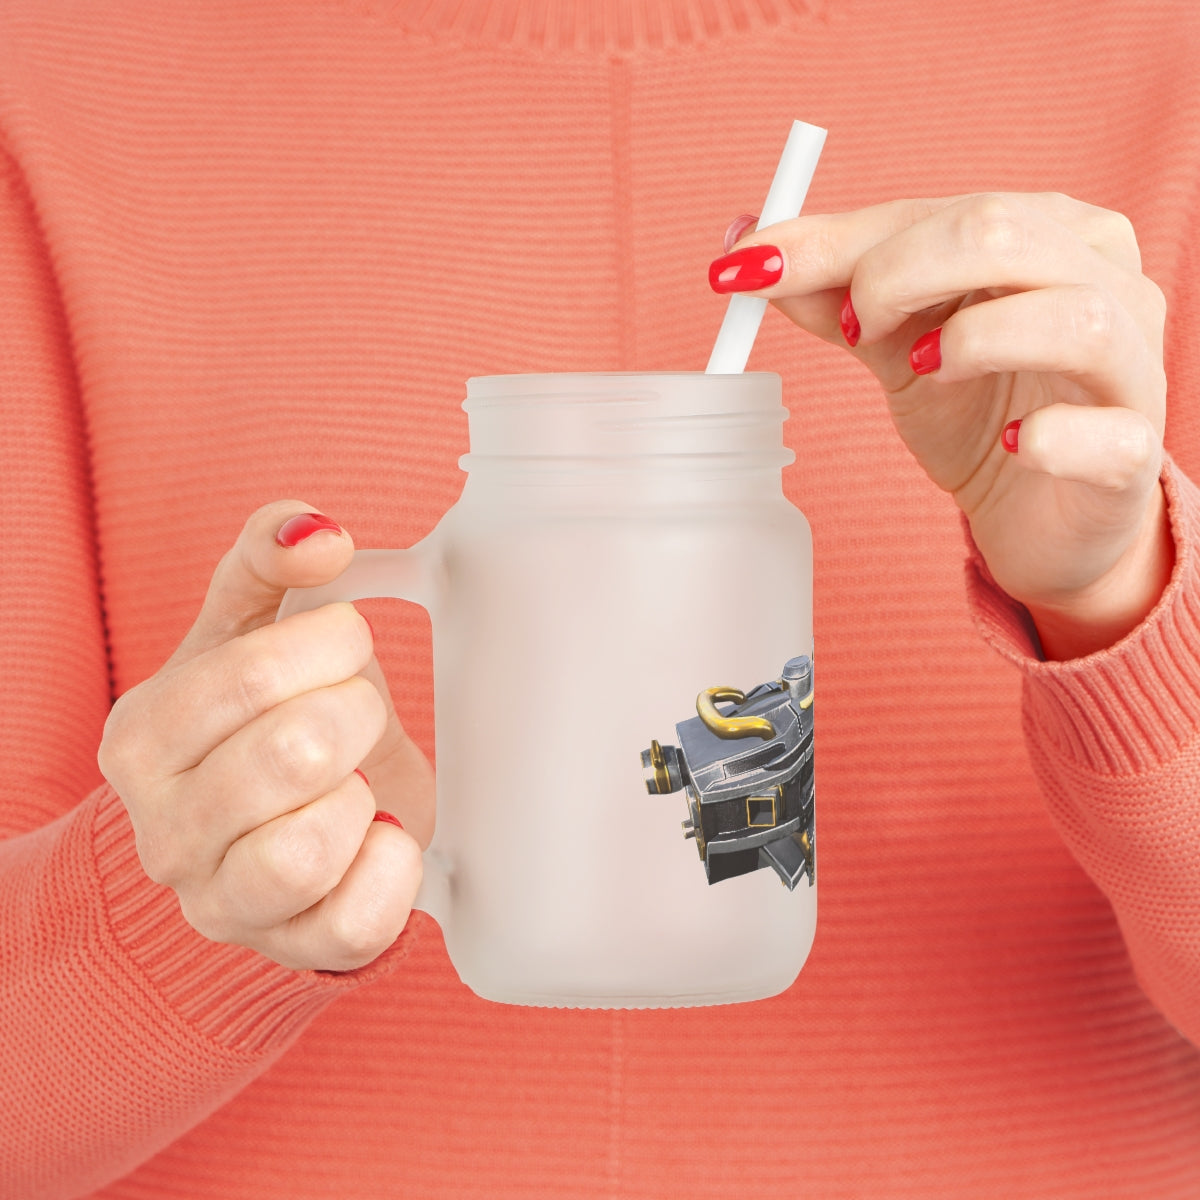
622 547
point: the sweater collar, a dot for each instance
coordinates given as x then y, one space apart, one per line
617 26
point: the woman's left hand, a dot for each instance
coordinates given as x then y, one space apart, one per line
980 312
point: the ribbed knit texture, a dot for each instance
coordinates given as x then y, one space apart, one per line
252 251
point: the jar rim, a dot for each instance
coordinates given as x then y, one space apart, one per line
572 386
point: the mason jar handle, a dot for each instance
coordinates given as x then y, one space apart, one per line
400 575
395 574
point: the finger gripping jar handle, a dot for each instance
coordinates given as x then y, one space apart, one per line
401 575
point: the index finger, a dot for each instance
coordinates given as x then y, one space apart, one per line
820 251
186 711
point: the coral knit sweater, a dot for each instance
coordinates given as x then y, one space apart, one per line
253 250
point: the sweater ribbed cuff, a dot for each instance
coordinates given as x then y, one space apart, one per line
236 997
1125 709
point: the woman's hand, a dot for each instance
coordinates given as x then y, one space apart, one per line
237 762
1020 350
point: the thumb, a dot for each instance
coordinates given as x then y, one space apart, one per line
287 544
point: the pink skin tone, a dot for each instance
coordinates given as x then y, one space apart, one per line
977 312
241 762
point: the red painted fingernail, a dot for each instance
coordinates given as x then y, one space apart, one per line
746 270
926 353
737 227
295 529
851 329
362 777
1009 436
380 815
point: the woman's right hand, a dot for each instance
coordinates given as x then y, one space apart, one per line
237 762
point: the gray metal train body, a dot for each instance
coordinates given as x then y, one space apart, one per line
747 773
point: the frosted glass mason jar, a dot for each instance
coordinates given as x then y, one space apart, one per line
621 603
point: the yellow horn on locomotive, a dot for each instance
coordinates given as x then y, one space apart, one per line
730 727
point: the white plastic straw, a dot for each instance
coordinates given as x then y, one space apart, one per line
788 189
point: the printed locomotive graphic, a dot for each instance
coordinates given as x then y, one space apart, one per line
747 774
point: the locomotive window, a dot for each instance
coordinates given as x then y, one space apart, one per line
760 811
